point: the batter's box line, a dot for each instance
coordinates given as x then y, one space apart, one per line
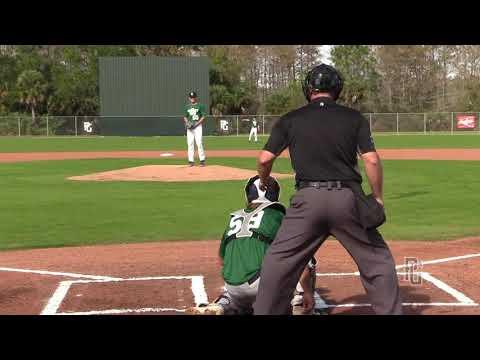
55 301
123 311
462 299
57 273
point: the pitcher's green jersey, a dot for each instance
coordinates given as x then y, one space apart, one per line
246 240
194 112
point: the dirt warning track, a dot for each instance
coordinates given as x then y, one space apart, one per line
387 154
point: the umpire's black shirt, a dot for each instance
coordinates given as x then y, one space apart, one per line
323 139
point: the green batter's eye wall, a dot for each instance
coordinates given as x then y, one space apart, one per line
140 96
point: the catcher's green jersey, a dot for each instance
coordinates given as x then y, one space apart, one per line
194 112
245 242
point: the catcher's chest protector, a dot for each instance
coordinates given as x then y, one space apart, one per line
248 217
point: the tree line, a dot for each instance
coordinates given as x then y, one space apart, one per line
249 79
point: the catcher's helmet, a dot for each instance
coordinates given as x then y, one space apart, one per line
192 95
323 78
254 195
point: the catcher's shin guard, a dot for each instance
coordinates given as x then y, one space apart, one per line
297 301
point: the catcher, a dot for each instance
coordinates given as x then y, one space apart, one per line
244 244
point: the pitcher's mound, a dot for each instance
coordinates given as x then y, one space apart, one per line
174 173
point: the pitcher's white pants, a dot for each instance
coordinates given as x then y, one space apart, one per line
252 133
195 136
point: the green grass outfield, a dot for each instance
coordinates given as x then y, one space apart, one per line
430 200
38 144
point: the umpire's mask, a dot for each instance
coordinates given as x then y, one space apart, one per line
323 78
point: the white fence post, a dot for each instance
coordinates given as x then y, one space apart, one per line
47 125
19 132
397 124
237 125
425 123
76 130
263 122
370 122
451 127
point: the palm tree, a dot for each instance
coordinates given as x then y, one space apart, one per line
31 87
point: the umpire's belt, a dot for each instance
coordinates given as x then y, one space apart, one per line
331 184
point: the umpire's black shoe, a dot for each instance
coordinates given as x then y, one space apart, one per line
191 164
202 163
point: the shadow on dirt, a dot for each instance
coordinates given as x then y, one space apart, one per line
409 294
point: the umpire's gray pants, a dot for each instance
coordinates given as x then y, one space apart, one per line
313 215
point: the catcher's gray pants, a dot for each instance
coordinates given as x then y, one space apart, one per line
314 214
238 300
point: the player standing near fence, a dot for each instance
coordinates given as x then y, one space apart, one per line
253 130
194 116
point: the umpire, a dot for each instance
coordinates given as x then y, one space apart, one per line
324 139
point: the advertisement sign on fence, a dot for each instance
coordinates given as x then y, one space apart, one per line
466 121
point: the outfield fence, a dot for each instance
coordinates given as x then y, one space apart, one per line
229 125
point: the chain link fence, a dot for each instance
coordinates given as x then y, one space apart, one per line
227 125
49 126
241 124
424 123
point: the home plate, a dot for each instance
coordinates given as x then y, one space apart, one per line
174 173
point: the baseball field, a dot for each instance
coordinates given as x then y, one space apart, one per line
118 225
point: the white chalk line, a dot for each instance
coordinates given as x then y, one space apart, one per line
149 278
439 261
122 311
429 262
339 274
463 300
198 289
55 273
56 299
461 297
199 293
404 304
